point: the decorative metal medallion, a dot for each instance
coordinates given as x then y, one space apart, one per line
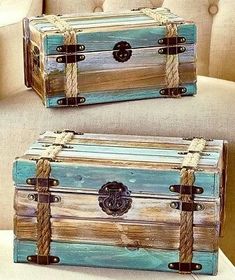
114 199
122 51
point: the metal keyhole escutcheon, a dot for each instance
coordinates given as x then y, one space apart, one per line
114 198
122 51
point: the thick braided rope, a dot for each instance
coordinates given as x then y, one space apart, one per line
186 220
43 209
71 87
43 212
172 61
187 177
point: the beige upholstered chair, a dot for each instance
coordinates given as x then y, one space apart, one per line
210 114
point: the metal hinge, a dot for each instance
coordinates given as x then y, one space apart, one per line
43 182
44 197
187 206
186 189
73 58
184 267
43 259
173 92
71 101
170 41
171 50
70 48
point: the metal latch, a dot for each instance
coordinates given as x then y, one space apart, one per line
114 198
171 50
122 51
171 41
71 101
73 58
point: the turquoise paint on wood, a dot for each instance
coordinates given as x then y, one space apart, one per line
115 257
137 38
100 61
87 177
120 95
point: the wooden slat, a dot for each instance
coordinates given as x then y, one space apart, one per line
115 257
141 57
120 95
131 140
89 174
86 206
106 38
120 79
127 234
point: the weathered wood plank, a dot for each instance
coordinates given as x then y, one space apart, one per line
208 158
127 234
117 95
86 206
125 156
92 175
104 60
133 141
110 80
115 257
138 37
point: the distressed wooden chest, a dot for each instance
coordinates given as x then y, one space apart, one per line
152 203
96 58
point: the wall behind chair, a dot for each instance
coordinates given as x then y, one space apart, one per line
215 20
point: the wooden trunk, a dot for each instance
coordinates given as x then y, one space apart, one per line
115 57
113 201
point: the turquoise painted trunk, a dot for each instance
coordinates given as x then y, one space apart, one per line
94 58
131 202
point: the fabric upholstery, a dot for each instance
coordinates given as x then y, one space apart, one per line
209 114
222 51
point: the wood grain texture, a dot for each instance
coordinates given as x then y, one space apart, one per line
117 95
120 79
175 143
90 175
86 206
115 257
140 58
127 234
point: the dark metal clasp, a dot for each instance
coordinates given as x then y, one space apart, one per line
184 267
172 50
122 51
186 189
43 182
173 92
71 101
187 206
70 48
44 260
170 41
114 198
73 58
